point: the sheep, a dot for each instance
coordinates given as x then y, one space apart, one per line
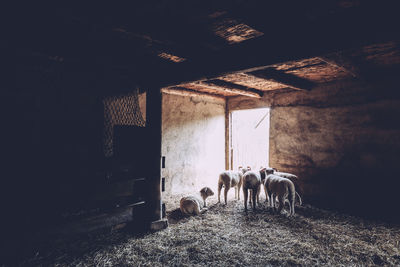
192 205
230 179
269 170
252 181
282 188
289 176
281 174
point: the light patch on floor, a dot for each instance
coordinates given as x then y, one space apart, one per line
226 235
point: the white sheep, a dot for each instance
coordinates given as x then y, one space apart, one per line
251 182
195 204
289 176
281 188
281 174
229 179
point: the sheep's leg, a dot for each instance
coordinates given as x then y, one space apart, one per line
273 201
245 196
251 196
266 193
226 189
270 199
238 187
254 195
258 194
300 203
291 204
281 201
219 191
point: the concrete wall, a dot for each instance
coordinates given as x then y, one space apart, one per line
193 142
343 140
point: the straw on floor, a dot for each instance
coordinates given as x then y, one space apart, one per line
226 235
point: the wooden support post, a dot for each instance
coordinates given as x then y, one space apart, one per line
153 125
227 136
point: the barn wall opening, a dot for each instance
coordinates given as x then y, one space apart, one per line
193 143
249 138
338 143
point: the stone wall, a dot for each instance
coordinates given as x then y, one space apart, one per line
193 142
342 139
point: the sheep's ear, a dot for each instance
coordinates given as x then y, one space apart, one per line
263 169
248 168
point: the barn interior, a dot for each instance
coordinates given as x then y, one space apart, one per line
113 111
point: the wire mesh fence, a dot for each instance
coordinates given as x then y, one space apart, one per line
120 110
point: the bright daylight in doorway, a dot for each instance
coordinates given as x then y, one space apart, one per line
249 138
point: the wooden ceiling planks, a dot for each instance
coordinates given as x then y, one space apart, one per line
288 79
234 32
342 62
252 81
382 54
297 64
322 73
171 57
300 74
224 39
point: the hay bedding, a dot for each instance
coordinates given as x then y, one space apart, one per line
226 235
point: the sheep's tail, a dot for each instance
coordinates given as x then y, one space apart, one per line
301 203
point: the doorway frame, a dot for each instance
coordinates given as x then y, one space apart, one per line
229 129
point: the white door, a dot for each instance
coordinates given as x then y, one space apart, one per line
250 138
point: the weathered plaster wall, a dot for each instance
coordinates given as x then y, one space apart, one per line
343 140
193 142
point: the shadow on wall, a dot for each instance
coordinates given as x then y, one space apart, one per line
365 182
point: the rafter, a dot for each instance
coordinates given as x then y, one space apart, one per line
181 91
224 86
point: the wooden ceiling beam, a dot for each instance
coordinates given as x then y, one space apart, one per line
281 77
224 86
189 36
182 91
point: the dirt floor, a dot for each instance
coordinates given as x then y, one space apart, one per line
226 235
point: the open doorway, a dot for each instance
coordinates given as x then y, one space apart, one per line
249 138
